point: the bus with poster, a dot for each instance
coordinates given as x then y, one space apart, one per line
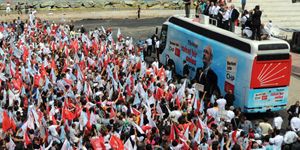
256 72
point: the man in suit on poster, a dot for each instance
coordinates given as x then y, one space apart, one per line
206 76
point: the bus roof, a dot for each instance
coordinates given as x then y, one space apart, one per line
270 46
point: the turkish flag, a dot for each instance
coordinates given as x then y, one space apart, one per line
112 113
116 143
172 133
53 65
43 71
26 138
25 53
98 143
6 122
67 114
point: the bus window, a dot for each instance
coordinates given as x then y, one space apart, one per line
163 38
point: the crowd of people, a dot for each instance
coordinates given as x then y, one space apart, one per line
227 18
62 89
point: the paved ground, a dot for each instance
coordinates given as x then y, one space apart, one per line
294 91
138 29
67 15
296 64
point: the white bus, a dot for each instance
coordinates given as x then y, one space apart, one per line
257 72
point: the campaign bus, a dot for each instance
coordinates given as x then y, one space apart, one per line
256 72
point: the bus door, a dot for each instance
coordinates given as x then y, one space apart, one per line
163 38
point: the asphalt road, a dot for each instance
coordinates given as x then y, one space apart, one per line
141 29
138 29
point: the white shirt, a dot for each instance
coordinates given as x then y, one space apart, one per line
212 112
295 124
216 10
290 137
277 140
247 32
277 122
210 10
157 44
221 103
175 114
226 15
53 131
244 19
230 115
149 42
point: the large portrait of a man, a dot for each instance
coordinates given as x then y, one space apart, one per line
206 76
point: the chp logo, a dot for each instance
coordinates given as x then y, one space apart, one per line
270 73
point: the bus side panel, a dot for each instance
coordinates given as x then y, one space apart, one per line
261 100
232 67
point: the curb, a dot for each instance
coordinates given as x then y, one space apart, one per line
296 74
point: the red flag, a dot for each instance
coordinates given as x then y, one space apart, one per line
6 125
112 113
185 146
12 71
67 114
37 80
179 133
82 65
178 103
88 125
159 93
95 47
131 81
138 65
172 133
25 102
43 71
119 35
146 128
1 28
234 138
116 143
26 138
53 65
128 90
67 52
17 83
13 124
54 120
161 73
75 45
68 81
25 53
98 143
85 50
53 45
135 112
65 66
78 110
